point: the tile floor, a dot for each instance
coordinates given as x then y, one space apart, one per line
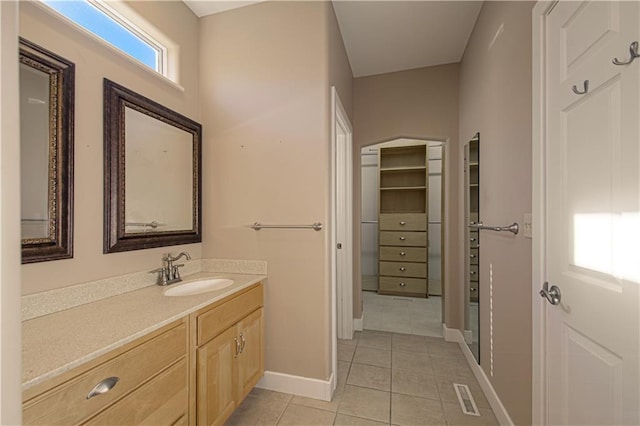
409 315
383 378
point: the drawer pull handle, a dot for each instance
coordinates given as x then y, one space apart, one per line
472 272
473 256
403 253
472 289
103 387
472 239
402 223
403 269
402 285
244 342
402 238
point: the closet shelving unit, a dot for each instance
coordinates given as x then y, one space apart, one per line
473 183
403 207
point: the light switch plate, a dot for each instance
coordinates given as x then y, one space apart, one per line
528 226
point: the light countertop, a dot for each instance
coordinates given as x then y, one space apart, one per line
55 343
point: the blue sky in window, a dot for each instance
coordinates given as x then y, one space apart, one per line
106 28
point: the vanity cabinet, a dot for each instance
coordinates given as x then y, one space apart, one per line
229 355
144 382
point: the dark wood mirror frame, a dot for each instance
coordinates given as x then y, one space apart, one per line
59 243
116 99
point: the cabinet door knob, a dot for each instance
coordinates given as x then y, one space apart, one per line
403 253
402 238
403 269
103 387
402 223
402 285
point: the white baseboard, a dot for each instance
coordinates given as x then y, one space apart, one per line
468 337
298 385
358 323
454 335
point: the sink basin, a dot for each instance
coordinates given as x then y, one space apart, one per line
198 287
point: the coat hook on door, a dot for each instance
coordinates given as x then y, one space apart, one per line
585 90
633 54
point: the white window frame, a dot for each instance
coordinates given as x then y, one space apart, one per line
125 16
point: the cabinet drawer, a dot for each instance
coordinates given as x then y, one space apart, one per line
215 321
405 254
162 401
403 269
68 403
403 222
404 239
411 286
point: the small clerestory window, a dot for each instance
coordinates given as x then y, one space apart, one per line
104 22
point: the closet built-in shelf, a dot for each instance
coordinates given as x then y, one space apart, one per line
401 169
403 188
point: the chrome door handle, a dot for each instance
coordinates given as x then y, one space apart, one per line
552 294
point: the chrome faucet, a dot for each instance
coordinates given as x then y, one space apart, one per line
170 273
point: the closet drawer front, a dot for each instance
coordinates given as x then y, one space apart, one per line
403 239
68 403
403 269
473 256
163 402
413 286
474 240
215 321
409 254
473 272
403 222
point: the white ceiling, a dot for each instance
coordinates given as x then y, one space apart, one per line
388 36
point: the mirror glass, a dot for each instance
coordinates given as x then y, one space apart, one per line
152 173
46 154
472 245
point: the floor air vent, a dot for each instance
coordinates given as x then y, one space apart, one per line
466 400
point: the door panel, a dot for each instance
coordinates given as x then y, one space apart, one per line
593 214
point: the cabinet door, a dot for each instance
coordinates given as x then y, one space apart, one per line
251 359
216 379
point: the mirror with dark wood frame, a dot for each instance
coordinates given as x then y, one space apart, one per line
46 154
152 163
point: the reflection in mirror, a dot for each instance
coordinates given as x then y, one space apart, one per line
46 154
472 245
152 173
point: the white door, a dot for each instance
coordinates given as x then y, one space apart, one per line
592 238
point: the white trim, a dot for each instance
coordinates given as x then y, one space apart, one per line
358 323
489 392
298 385
538 405
468 337
451 334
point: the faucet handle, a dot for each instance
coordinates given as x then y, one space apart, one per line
176 271
162 275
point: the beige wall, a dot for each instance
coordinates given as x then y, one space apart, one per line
265 104
93 62
422 104
340 74
495 100
10 326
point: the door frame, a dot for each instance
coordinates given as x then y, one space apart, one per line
539 142
341 227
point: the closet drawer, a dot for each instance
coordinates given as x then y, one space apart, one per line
410 286
403 222
403 239
473 256
408 254
473 272
68 403
403 269
474 239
